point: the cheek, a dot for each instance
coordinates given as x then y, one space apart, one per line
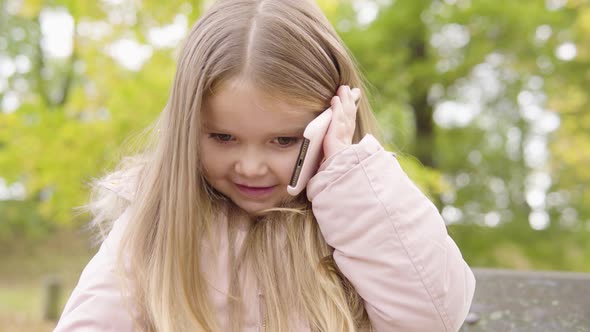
213 162
284 165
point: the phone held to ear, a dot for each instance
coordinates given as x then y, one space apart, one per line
310 153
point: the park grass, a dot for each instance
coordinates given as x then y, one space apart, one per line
20 308
25 267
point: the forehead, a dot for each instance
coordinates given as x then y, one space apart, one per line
244 107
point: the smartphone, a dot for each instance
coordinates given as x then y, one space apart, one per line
310 152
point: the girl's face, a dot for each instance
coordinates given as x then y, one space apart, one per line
249 146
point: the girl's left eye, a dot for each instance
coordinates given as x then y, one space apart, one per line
286 141
221 138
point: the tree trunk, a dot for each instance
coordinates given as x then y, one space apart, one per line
424 142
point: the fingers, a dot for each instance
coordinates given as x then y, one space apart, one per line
348 99
346 95
344 108
342 126
356 94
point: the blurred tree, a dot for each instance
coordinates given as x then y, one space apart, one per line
568 94
65 115
478 89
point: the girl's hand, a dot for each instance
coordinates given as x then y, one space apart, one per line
341 129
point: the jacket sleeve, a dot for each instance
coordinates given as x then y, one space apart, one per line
390 241
96 303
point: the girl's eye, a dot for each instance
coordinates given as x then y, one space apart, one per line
222 138
286 141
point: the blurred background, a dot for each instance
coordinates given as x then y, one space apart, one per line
485 101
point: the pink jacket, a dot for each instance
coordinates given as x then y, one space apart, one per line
389 241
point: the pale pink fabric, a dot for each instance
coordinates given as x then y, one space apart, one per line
389 241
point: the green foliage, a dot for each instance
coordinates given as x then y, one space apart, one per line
21 219
55 149
523 248
486 165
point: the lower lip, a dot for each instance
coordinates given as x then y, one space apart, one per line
255 192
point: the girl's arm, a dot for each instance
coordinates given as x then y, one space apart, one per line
96 303
390 241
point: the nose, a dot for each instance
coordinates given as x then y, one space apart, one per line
251 163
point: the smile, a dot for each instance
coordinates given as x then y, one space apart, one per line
255 192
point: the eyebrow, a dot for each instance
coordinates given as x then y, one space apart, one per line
290 131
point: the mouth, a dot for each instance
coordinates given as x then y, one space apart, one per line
255 192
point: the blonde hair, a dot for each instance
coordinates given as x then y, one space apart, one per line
288 49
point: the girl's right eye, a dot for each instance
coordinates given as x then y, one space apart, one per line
222 138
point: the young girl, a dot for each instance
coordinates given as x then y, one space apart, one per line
204 236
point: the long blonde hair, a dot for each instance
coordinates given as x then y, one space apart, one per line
291 51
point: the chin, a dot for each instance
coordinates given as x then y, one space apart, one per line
286 202
255 209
